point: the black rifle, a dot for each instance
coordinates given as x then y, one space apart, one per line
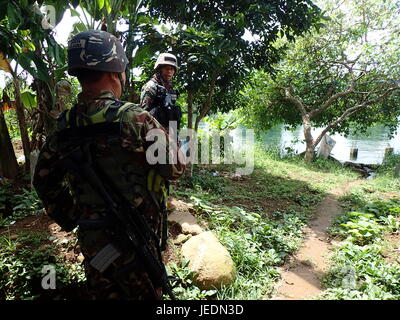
80 162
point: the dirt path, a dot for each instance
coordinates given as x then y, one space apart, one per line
300 277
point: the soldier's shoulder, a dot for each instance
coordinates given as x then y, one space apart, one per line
150 86
133 112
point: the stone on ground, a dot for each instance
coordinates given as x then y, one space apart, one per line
209 260
186 221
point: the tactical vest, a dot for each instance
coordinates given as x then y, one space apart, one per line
130 175
164 108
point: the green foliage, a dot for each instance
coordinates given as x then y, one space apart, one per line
361 273
321 65
12 123
361 229
389 164
183 287
208 40
23 204
204 181
256 243
21 263
353 201
359 270
28 99
367 224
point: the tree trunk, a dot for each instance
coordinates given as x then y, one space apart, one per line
22 121
45 101
44 105
397 171
310 146
8 161
190 108
207 104
189 166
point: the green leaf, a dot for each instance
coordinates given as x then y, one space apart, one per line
74 13
78 27
13 14
59 73
28 99
31 63
100 3
108 6
56 51
141 54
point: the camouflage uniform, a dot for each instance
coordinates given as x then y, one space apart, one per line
121 154
125 161
152 98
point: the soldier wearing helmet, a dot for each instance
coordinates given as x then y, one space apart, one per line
158 96
112 135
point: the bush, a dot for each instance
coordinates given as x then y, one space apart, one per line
21 263
359 270
24 204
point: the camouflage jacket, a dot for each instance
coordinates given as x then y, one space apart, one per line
153 91
152 98
124 160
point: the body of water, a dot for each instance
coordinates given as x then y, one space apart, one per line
371 147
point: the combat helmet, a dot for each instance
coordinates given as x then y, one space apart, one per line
166 59
96 50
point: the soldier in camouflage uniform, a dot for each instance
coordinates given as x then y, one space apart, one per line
98 60
158 96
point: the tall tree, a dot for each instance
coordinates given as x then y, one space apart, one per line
208 38
328 78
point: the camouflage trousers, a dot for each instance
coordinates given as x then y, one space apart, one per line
131 284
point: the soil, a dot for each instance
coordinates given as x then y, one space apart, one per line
172 250
301 275
69 249
392 248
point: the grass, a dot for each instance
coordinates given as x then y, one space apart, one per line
17 204
383 186
258 218
22 258
358 266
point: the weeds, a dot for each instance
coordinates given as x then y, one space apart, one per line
256 243
359 270
23 204
203 180
183 286
21 263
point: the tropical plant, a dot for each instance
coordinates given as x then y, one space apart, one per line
341 78
208 40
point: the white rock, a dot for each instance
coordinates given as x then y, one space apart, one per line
187 222
209 260
182 238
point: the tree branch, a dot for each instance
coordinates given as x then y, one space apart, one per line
207 104
289 96
349 112
338 95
